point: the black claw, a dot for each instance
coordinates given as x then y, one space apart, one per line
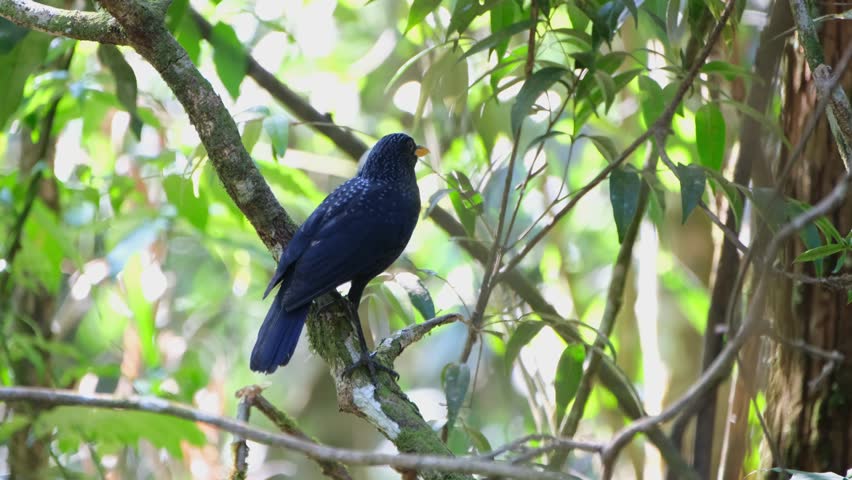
373 365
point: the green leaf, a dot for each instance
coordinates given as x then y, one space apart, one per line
495 39
456 380
732 193
520 337
189 38
24 58
10 35
607 86
502 16
692 182
535 85
569 371
710 136
180 193
434 199
466 216
229 57
463 13
821 252
175 14
278 129
125 83
418 12
605 146
543 138
142 309
12 425
478 440
624 186
809 234
417 293
652 99
119 428
251 133
576 37
727 70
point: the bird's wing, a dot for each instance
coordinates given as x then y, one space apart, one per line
300 242
347 245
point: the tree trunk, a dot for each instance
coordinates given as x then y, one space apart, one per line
808 399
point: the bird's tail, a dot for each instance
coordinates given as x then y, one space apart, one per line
278 335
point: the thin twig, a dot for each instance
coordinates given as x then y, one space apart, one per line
239 446
252 394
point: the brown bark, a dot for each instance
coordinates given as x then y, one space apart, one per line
808 412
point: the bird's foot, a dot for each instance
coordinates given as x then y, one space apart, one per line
369 360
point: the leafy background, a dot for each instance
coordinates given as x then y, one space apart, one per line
157 277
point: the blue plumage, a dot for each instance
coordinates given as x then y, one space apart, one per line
355 234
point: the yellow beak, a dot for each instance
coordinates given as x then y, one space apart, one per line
421 151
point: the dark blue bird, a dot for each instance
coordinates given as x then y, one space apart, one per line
355 234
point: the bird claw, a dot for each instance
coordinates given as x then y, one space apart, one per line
373 365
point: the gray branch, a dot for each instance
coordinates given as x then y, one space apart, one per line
467 465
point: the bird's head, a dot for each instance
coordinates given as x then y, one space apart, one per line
392 158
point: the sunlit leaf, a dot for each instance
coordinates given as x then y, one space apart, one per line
466 215
502 16
180 193
821 252
652 99
726 69
537 84
229 57
189 37
710 136
278 129
117 428
569 371
251 133
605 146
418 11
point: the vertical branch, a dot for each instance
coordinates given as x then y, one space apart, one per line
239 447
